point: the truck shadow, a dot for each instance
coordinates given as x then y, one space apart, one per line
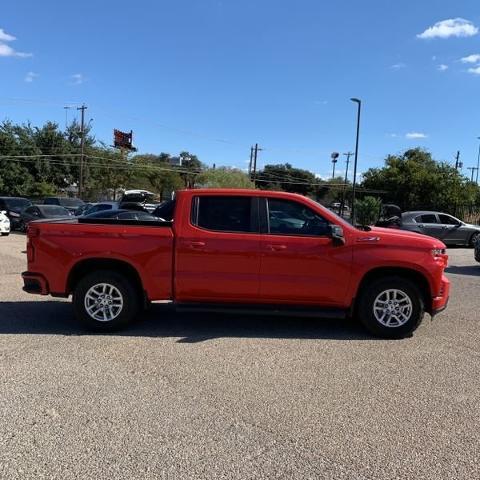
56 318
473 270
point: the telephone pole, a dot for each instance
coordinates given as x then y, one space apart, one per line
473 169
342 206
458 163
255 155
251 161
82 148
478 162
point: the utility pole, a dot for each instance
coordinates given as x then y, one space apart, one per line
478 162
82 149
342 206
251 161
473 169
255 155
458 163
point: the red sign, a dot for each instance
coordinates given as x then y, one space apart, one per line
123 139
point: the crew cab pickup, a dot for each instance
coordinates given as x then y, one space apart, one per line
243 250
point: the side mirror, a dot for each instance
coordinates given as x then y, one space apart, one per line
336 232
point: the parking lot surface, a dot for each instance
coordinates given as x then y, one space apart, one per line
215 396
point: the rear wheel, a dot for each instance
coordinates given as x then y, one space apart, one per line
474 239
105 301
5 234
391 307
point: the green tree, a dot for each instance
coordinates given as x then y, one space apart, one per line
191 167
367 211
287 178
224 177
414 180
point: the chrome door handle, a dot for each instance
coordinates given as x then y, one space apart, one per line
196 245
276 248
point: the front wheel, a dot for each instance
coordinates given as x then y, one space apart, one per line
105 301
391 307
5 234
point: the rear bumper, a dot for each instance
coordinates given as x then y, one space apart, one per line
35 283
440 302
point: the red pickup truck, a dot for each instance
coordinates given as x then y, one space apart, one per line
243 250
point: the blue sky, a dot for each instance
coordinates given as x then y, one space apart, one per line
215 76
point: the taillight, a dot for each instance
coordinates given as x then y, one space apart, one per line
33 231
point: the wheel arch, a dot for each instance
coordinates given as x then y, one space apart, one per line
414 276
84 267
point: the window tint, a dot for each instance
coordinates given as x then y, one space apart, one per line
50 201
291 218
30 210
228 214
448 220
428 218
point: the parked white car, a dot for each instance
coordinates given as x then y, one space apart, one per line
4 224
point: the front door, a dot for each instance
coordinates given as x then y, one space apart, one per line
299 262
218 251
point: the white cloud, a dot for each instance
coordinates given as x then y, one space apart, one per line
474 70
392 135
77 79
5 37
7 50
415 135
397 66
30 77
452 27
442 67
320 102
474 58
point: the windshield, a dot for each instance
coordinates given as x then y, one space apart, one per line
54 211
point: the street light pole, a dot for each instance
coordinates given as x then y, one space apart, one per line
359 108
478 162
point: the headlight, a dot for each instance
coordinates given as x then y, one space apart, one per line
438 252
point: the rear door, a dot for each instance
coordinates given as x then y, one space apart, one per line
428 224
217 255
299 262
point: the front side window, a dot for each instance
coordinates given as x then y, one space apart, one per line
223 213
291 218
448 220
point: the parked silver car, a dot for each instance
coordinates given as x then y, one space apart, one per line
448 229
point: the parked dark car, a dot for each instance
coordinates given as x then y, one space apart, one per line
14 207
100 206
477 249
83 208
38 212
445 227
71 204
121 214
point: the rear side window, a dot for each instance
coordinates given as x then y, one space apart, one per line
223 213
428 218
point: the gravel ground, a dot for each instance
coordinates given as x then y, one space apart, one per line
215 396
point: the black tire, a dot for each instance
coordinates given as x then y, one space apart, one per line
5 234
121 287
473 239
376 291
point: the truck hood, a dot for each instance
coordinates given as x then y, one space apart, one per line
394 236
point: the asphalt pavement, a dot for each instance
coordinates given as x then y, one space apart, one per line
187 396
